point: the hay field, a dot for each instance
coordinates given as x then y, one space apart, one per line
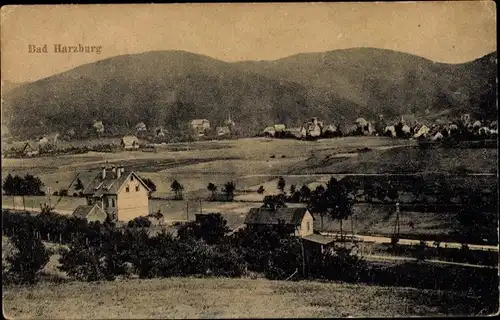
409 159
201 163
227 298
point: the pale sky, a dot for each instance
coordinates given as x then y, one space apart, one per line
451 32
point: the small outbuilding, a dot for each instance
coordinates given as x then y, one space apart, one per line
130 143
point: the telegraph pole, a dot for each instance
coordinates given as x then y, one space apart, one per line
396 225
303 257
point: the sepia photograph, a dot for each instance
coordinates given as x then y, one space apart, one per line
249 160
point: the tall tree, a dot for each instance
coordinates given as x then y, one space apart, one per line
334 202
177 188
261 190
281 184
229 189
305 193
79 185
212 188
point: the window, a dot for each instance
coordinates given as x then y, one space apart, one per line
127 189
136 188
132 178
112 202
308 225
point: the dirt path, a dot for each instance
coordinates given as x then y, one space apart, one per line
410 242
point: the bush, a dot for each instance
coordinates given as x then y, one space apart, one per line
341 263
96 255
284 260
210 227
63 192
28 259
139 222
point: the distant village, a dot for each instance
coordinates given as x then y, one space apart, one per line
145 139
313 129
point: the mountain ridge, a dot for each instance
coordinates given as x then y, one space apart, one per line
168 88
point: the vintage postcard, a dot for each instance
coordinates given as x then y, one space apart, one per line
272 160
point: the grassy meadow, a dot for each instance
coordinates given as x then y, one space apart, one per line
228 298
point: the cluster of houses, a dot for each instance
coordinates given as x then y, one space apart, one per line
439 130
311 129
201 127
121 195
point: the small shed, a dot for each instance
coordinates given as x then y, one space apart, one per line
90 213
29 150
317 244
130 143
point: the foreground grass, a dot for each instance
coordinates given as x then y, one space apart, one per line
227 298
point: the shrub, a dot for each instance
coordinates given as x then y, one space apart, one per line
284 260
139 222
28 259
97 255
63 192
341 263
210 227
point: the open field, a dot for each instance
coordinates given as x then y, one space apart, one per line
228 298
410 159
253 162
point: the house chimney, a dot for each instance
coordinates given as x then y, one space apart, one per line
113 169
103 173
119 172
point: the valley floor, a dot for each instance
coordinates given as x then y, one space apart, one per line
228 298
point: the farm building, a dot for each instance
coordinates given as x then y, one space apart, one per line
274 130
29 150
317 244
159 132
223 131
130 143
121 194
313 128
90 213
98 127
200 126
49 138
141 127
298 133
298 220
229 122
421 131
390 131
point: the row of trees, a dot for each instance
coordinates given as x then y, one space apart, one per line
228 190
28 185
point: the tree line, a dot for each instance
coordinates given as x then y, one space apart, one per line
28 185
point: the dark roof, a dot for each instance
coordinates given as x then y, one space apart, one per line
83 211
292 216
110 185
317 238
